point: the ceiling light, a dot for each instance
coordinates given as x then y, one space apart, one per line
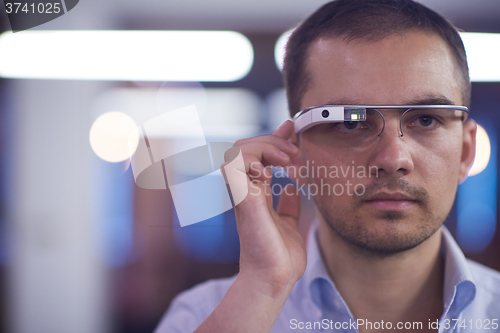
126 55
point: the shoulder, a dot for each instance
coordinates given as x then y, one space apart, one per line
190 308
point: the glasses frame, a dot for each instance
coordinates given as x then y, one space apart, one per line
302 122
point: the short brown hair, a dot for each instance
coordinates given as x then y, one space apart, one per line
371 20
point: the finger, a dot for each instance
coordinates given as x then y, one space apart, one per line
289 204
262 152
255 169
281 143
236 178
231 154
251 166
267 153
285 130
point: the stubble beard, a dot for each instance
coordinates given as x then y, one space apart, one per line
398 234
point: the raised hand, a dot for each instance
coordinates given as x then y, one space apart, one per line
272 252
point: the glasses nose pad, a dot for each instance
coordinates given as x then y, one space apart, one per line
383 122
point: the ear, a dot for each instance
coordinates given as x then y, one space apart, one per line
468 149
296 163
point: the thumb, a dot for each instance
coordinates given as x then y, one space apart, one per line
289 204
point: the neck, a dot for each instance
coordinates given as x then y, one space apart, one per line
406 286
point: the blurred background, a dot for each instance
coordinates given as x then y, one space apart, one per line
82 247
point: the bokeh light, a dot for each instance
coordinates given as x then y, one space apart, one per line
279 48
114 136
483 151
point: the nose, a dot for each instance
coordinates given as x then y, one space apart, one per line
392 153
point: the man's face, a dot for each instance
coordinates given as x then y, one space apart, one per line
409 185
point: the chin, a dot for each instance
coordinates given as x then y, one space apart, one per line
387 233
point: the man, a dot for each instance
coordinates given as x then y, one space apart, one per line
378 258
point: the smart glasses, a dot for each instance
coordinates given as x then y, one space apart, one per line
358 123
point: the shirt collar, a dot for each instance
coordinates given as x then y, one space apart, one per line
459 286
321 288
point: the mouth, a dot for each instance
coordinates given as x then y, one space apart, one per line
394 201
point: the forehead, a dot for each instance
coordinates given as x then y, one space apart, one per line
394 70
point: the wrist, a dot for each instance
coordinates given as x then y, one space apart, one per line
271 287
250 305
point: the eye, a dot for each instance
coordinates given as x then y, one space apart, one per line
351 124
426 121
350 127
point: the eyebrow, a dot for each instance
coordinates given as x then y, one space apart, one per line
430 100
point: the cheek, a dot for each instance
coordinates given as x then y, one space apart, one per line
438 168
443 156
